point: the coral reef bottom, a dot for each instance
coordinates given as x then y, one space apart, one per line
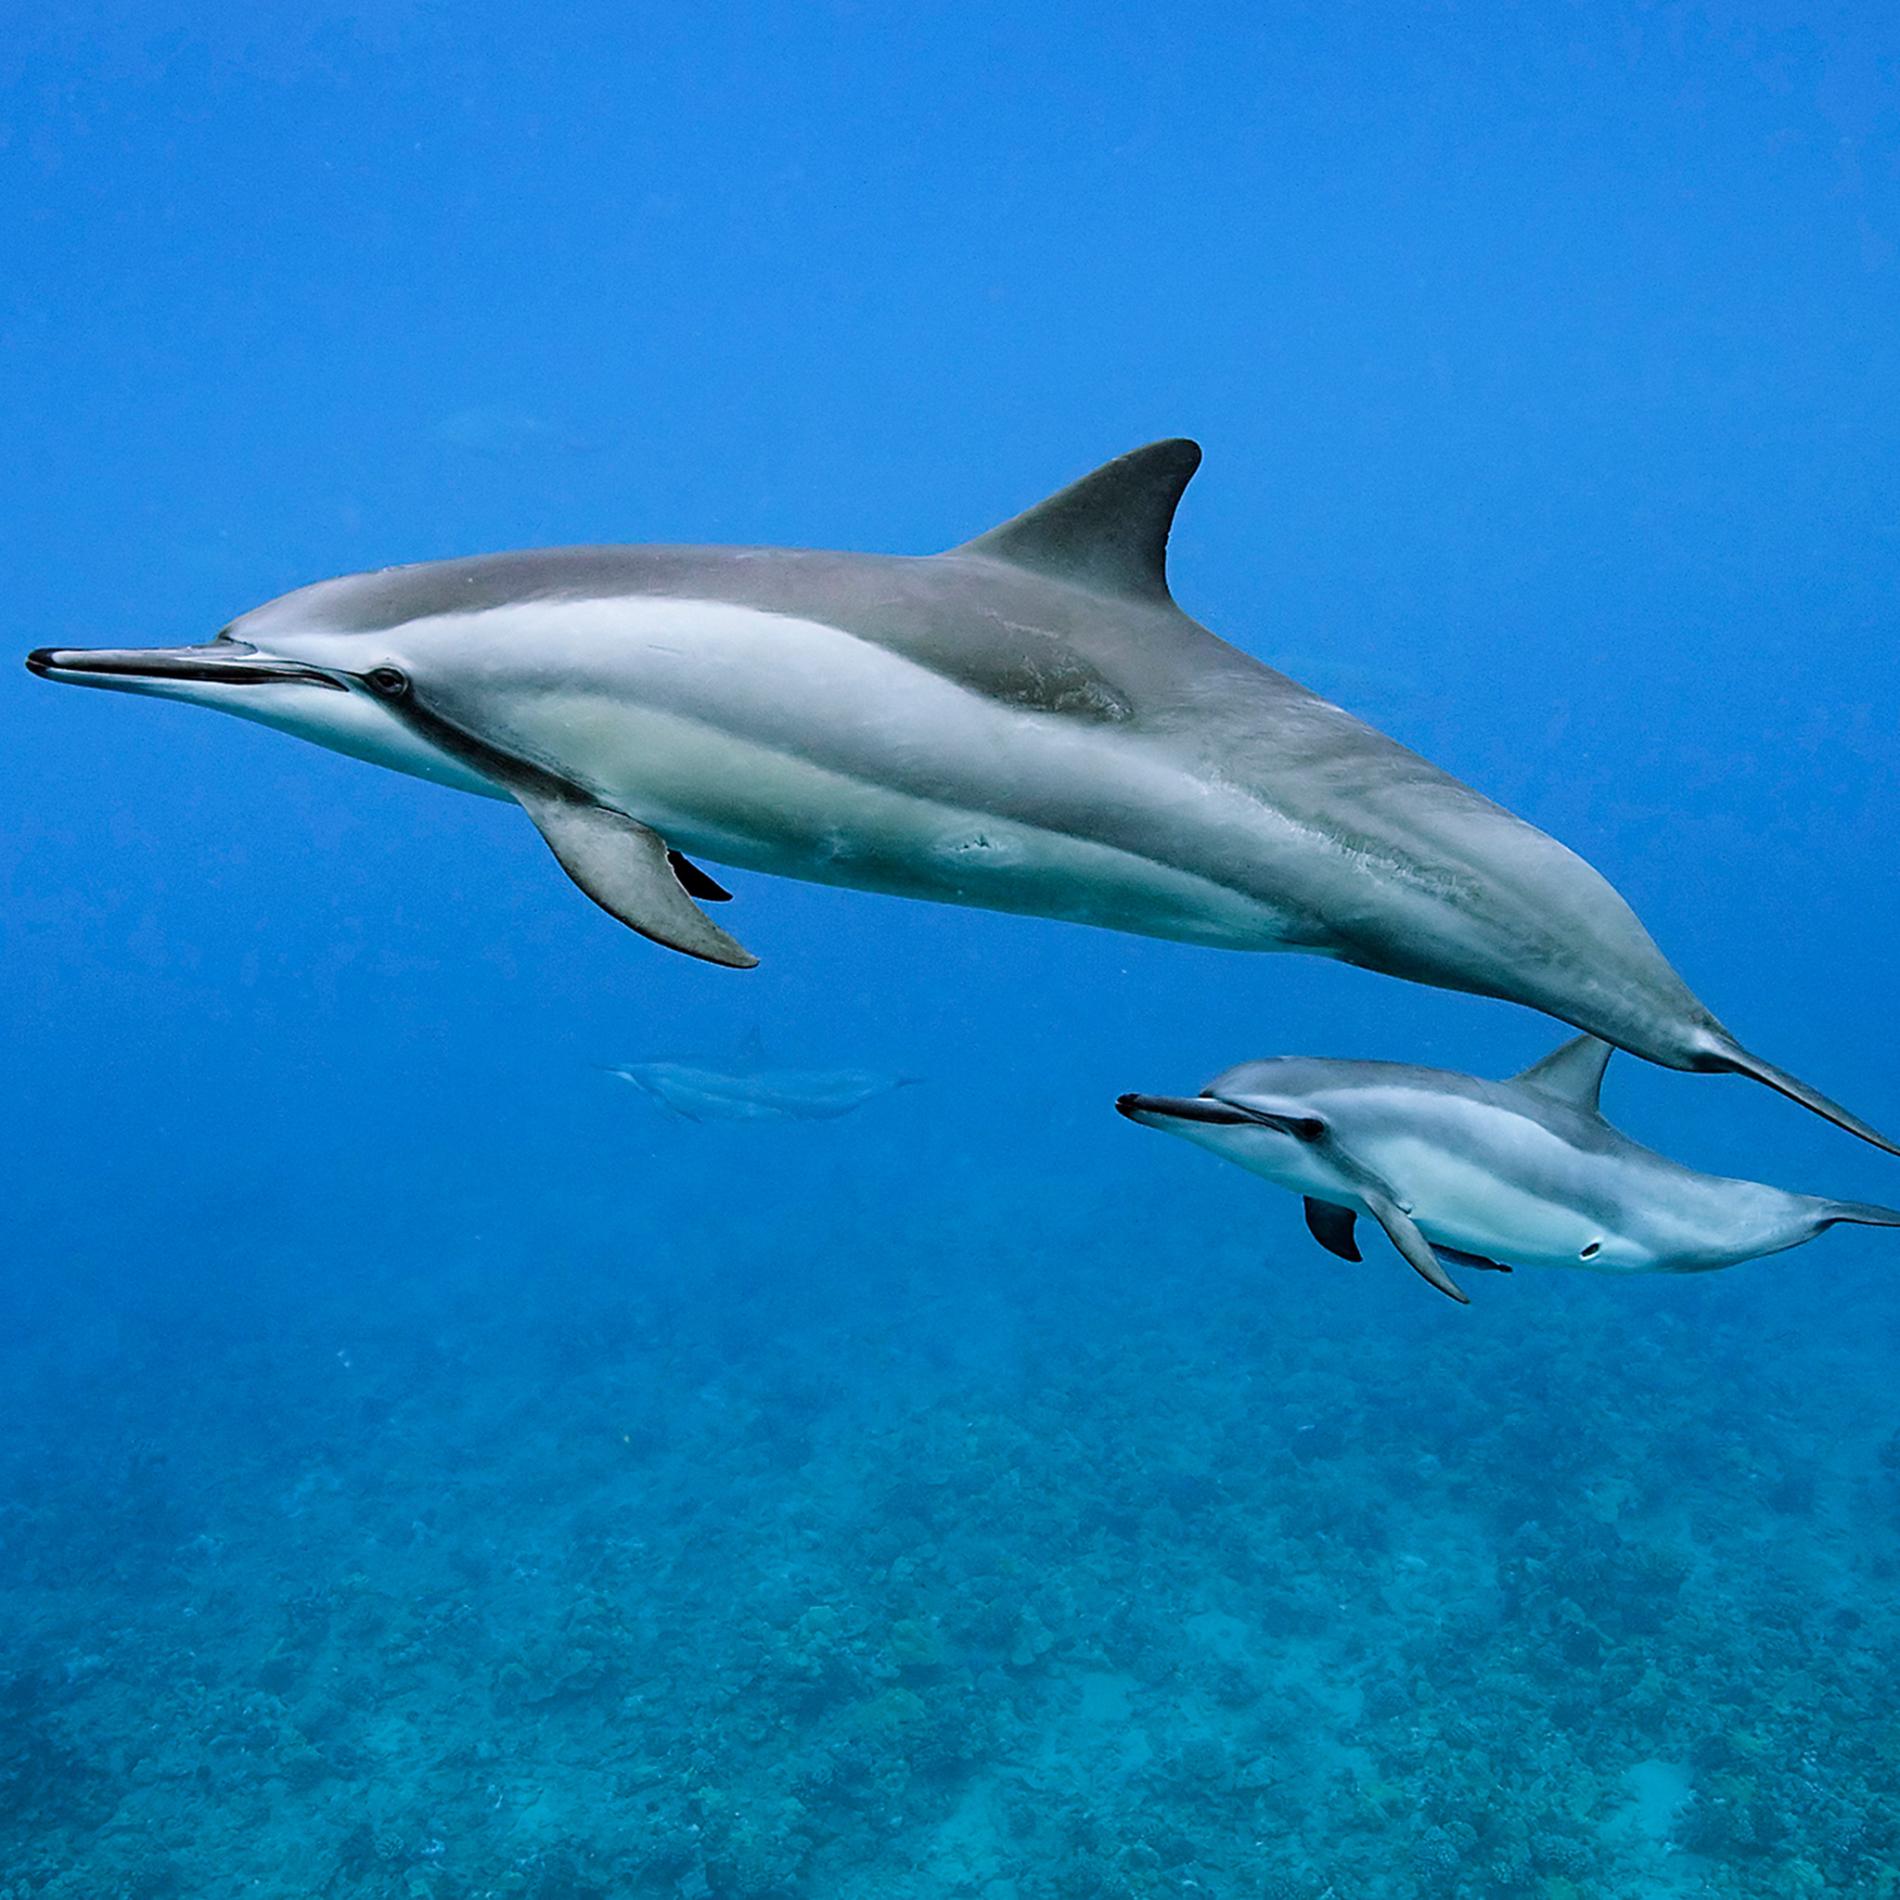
990 1566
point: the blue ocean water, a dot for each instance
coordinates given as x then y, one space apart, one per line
428 1469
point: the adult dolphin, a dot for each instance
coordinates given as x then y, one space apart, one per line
1460 1170
1027 722
758 1094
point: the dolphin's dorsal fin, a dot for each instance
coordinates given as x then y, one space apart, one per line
1107 532
1572 1073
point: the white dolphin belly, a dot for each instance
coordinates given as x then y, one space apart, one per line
1462 1200
853 765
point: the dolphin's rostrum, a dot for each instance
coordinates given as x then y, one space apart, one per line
1027 723
1461 1171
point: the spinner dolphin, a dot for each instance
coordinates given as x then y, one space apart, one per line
757 1094
1026 723
1458 1170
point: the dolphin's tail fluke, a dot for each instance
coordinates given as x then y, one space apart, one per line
1731 1058
1856 1214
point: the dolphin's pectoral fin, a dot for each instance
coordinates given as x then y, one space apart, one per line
698 883
1403 1233
1459 1258
1377 1197
1331 1225
624 866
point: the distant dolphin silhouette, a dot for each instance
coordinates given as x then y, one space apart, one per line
758 1095
1459 1170
1026 723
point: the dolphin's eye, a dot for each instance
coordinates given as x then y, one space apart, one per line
1591 1251
391 682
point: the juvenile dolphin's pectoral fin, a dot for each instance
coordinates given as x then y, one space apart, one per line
1380 1202
1403 1233
698 884
1459 1258
625 867
1572 1072
1107 532
1331 1225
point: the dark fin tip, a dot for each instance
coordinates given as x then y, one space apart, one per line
1332 1226
697 883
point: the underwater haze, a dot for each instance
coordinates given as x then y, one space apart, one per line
431 1469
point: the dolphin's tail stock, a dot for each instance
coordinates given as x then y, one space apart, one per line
1730 1057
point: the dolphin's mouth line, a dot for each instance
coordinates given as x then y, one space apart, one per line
1216 1111
1187 1108
221 663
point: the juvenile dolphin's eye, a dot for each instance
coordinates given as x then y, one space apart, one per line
390 681
1591 1251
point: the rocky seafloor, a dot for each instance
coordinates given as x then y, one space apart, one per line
995 1561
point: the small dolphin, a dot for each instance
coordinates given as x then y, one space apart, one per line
1460 1170
764 1095
1027 723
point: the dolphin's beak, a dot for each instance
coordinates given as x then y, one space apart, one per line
1153 1110
1157 1111
157 669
